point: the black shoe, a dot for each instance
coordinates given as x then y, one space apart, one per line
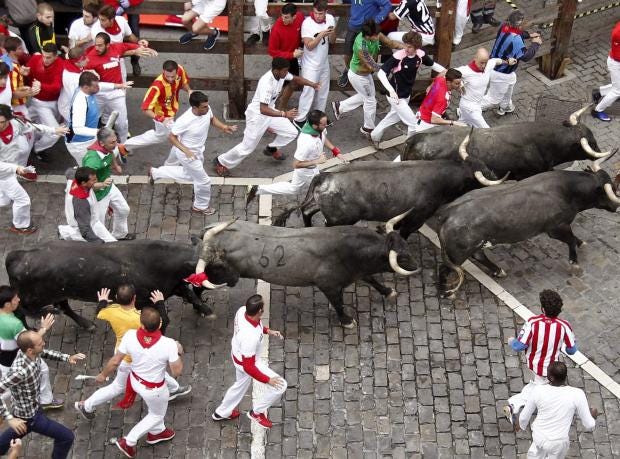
252 39
180 392
210 42
268 151
476 28
127 237
596 96
266 38
187 37
343 80
137 70
491 21
298 124
252 191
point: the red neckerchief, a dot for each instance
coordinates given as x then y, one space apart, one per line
78 191
255 323
146 338
70 66
98 147
7 134
507 28
115 29
315 20
4 31
472 65
196 279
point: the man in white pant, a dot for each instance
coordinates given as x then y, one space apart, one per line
475 78
161 104
246 347
402 68
188 137
317 33
150 354
541 338
262 115
309 154
100 157
259 24
556 404
122 317
608 94
462 16
12 192
81 209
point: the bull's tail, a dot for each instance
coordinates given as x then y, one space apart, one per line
281 219
450 264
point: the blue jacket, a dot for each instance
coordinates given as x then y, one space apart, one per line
362 10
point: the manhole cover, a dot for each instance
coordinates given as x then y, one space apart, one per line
556 110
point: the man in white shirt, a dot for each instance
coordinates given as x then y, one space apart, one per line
308 156
317 33
12 192
246 347
556 404
150 353
80 32
188 136
475 79
262 115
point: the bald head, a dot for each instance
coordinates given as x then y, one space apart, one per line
28 340
481 58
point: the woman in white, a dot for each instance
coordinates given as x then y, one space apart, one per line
188 137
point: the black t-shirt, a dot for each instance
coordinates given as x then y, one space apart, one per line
402 80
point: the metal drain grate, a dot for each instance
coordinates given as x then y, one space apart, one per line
556 110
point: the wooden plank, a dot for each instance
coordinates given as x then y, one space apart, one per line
445 32
236 61
222 46
551 64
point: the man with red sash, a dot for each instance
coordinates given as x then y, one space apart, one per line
608 94
150 353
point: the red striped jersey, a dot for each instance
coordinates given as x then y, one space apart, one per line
163 97
17 81
544 336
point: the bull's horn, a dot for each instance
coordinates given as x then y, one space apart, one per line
588 149
486 182
463 148
609 191
393 257
200 266
573 119
389 226
217 229
212 286
596 165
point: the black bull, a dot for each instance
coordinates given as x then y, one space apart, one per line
523 149
379 190
328 258
55 272
545 203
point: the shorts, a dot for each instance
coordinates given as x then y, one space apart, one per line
349 39
208 10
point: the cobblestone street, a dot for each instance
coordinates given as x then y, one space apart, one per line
423 378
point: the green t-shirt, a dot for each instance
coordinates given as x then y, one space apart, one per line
372 47
10 326
102 167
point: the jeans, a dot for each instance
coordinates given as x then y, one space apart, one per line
39 423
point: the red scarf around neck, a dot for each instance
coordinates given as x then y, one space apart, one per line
474 67
7 134
146 338
507 28
114 29
78 191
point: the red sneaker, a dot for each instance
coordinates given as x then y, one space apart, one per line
165 435
122 149
220 169
260 419
30 176
234 415
129 451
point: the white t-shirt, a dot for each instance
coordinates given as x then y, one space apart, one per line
6 93
193 130
310 147
476 83
317 57
116 38
267 91
80 31
247 339
556 407
149 363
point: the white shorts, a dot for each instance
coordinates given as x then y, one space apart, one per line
208 10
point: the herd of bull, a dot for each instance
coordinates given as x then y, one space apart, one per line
448 172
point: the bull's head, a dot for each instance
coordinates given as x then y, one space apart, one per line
212 262
608 198
481 171
398 250
586 138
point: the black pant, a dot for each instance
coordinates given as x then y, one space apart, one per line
39 423
134 24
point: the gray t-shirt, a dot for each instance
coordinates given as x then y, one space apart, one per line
22 11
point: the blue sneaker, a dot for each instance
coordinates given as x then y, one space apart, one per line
187 37
210 42
602 116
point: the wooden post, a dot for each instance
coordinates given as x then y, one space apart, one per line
552 65
445 32
236 63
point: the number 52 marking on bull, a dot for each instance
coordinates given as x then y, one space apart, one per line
278 254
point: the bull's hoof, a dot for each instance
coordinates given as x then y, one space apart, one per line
581 243
500 274
575 269
448 295
348 322
392 297
209 316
